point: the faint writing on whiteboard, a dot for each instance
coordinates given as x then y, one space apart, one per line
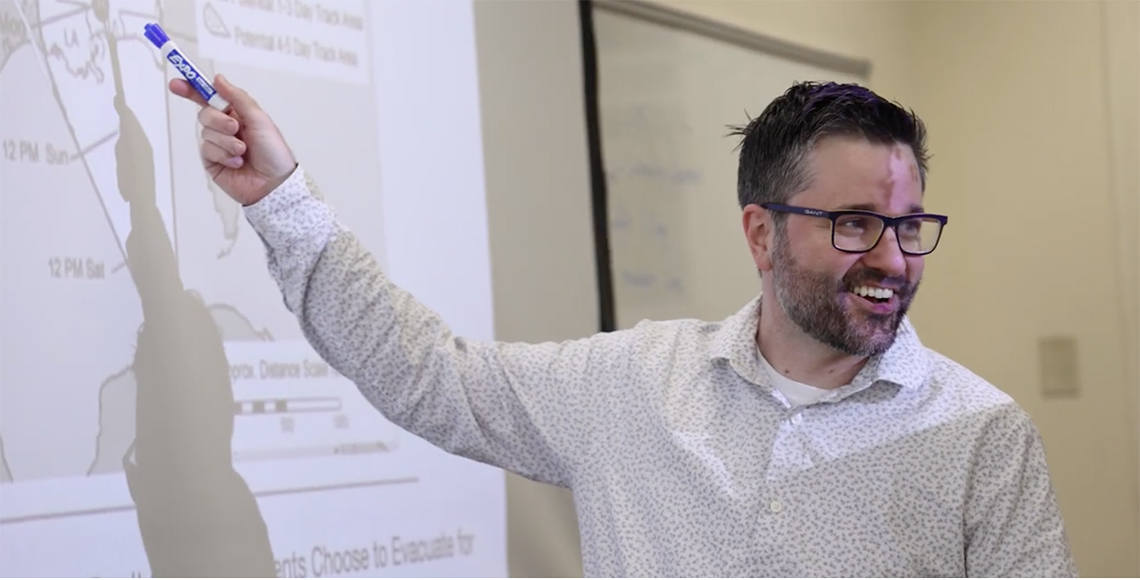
647 242
655 172
648 280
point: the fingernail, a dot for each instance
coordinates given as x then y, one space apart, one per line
234 162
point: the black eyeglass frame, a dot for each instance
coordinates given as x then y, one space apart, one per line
888 222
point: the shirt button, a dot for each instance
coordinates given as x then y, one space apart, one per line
797 418
775 506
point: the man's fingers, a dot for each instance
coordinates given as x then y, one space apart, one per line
183 89
240 100
216 120
229 143
213 154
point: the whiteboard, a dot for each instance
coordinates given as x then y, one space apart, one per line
669 88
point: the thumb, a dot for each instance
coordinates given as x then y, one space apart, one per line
242 103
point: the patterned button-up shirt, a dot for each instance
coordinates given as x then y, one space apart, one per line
682 460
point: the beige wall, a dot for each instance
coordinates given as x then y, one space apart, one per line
1042 235
539 218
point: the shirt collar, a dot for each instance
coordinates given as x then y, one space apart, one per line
905 364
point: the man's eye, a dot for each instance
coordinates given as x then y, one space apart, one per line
910 229
852 224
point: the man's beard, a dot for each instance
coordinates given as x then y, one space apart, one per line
815 303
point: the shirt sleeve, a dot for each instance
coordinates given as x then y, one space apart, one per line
522 407
1013 524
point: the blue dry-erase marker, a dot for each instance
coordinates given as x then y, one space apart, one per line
171 53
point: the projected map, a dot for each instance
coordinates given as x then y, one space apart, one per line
145 351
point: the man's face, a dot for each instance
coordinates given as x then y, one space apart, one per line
817 286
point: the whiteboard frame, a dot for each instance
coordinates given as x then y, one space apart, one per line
735 35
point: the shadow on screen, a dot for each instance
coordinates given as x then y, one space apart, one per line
196 515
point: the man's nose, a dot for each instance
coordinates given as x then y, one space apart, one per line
887 256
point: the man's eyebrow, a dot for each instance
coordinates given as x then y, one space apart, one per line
915 208
859 206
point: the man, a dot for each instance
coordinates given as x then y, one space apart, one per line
810 434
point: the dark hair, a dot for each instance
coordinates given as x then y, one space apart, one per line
774 145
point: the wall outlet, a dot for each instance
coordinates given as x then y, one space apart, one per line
1060 377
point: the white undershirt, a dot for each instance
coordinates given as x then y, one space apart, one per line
797 393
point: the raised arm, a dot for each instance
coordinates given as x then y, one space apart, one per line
526 408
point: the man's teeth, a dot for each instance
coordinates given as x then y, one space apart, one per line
874 292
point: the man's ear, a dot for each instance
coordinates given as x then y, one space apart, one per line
760 233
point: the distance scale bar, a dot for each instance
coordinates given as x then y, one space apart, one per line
280 405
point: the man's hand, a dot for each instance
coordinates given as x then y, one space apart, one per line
242 149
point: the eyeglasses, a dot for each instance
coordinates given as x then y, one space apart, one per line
857 231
